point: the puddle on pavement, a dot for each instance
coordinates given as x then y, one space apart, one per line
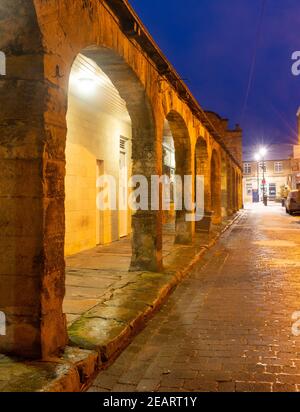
279 229
275 243
285 262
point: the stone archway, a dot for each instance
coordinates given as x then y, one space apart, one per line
183 160
215 181
202 168
146 225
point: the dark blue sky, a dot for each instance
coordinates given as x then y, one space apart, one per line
211 44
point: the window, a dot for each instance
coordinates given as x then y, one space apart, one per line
123 144
272 189
278 167
247 168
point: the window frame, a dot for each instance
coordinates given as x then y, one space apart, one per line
247 168
281 167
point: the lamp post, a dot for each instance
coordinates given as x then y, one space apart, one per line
258 158
263 152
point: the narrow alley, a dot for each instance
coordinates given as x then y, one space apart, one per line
228 326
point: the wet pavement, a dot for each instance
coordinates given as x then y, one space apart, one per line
106 307
228 326
93 275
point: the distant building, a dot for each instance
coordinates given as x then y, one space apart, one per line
278 171
296 159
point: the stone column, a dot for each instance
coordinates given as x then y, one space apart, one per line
32 194
147 224
183 227
216 188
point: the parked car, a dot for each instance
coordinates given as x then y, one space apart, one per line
292 204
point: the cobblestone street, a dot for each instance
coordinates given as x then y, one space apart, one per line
228 326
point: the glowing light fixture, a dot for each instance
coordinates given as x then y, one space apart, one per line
263 151
257 157
86 85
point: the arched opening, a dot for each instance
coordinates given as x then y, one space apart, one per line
176 141
111 135
169 170
98 143
215 181
238 191
229 189
232 189
202 168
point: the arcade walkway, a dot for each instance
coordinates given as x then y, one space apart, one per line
92 275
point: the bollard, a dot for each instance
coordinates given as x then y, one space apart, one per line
265 200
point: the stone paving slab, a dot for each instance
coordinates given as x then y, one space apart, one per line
103 321
21 376
228 326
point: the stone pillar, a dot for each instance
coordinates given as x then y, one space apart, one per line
147 225
216 188
32 194
183 229
146 241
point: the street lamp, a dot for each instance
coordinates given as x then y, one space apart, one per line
258 159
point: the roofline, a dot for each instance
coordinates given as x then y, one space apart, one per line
216 114
286 159
132 26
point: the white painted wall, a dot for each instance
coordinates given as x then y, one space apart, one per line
94 131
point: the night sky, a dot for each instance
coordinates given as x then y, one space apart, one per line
211 44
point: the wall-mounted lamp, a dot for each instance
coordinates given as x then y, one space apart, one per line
86 85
